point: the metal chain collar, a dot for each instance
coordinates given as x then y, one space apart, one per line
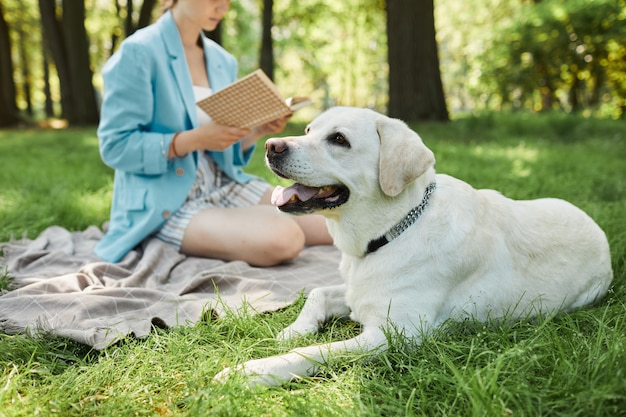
413 215
404 224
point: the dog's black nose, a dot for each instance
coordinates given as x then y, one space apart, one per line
275 146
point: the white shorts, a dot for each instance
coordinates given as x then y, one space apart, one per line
211 189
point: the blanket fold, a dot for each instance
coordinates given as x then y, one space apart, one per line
60 286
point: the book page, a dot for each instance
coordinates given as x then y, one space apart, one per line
296 103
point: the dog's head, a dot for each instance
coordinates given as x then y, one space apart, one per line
347 154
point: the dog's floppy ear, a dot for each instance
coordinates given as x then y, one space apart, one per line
403 155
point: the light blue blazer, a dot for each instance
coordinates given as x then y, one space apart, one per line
148 96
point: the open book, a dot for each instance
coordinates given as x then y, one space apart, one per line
250 101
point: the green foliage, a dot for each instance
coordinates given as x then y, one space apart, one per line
335 52
241 34
562 54
105 30
494 54
26 48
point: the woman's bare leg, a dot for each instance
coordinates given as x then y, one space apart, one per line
313 225
258 235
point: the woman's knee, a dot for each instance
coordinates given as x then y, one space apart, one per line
267 241
285 244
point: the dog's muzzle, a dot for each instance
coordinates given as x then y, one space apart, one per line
300 198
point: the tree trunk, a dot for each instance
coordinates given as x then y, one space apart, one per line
145 13
114 33
69 47
8 108
415 88
77 48
56 46
47 91
129 27
25 65
267 50
573 94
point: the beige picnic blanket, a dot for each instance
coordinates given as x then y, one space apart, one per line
61 287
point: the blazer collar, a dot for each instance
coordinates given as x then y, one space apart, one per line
178 63
214 64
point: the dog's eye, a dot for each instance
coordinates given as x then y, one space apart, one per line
339 139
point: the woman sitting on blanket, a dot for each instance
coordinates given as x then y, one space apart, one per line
178 175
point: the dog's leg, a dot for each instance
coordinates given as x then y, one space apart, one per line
320 305
304 361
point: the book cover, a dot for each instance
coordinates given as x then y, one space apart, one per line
250 101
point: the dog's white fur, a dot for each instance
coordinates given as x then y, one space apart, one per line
471 253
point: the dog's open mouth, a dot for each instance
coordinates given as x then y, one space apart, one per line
301 199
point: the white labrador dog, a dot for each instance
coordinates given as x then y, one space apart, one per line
419 248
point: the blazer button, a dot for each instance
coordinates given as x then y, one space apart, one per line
180 171
167 214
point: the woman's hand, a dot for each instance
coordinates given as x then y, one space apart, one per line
217 137
212 137
270 128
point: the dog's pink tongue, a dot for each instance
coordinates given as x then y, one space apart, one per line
281 195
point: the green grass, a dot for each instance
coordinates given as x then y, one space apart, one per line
51 177
569 365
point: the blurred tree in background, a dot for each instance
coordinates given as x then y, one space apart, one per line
558 54
415 90
8 107
66 39
567 55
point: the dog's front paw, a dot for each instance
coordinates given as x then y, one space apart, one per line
296 330
260 372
